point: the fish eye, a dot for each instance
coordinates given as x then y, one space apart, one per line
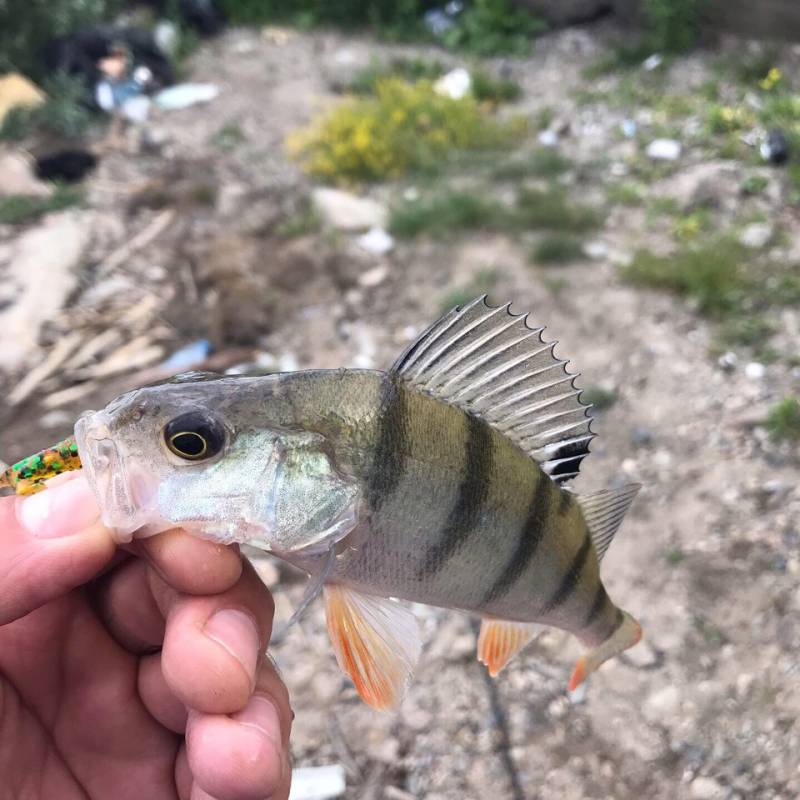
194 436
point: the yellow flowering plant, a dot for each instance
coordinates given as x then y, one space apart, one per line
403 127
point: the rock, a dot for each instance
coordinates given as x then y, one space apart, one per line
665 703
374 277
706 789
43 267
318 783
728 361
664 150
347 212
455 84
376 241
652 62
755 371
596 250
16 91
775 148
560 13
17 176
756 235
548 138
714 184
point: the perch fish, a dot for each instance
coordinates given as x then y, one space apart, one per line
440 481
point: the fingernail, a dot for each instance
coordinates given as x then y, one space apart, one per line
260 713
58 511
236 631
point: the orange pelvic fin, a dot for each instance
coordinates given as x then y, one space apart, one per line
626 635
500 640
376 641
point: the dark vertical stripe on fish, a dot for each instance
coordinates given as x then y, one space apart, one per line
530 536
473 493
388 465
600 600
570 579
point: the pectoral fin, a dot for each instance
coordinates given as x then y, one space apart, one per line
500 640
376 641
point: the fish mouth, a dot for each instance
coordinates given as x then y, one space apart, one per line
107 475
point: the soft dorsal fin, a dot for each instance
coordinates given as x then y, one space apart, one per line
603 512
493 364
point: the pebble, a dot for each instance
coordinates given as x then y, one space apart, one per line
706 789
548 138
596 250
456 84
728 361
755 371
376 241
756 235
348 212
663 703
664 150
374 277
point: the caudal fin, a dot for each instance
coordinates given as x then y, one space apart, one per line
627 634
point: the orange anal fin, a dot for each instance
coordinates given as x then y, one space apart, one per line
626 635
376 641
500 640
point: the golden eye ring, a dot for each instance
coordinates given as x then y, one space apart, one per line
193 448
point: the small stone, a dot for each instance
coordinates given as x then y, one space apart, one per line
662 704
376 241
755 371
374 277
728 361
756 235
596 250
641 436
775 148
652 62
455 84
348 212
17 178
664 150
706 789
418 719
548 138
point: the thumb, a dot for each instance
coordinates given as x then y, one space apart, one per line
50 543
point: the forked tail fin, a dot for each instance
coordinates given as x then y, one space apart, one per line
627 633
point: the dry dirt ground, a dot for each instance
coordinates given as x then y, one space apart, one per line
708 559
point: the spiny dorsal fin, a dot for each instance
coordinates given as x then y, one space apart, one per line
603 512
491 363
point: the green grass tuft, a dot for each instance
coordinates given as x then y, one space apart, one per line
711 274
557 248
446 212
625 194
550 209
229 137
783 422
18 209
542 163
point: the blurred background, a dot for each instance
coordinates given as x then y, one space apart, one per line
233 185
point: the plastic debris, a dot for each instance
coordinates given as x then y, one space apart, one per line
548 138
775 147
664 150
69 166
318 783
189 356
185 95
376 241
652 62
15 91
455 84
755 371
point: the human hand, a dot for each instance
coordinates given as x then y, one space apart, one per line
135 673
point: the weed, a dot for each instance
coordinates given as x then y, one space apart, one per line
63 113
408 69
304 221
674 556
688 227
550 209
783 421
447 212
625 194
228 137
481 284
543 163
18 209
488 89
711 274
749 330
673 26
403 127
728 119
494 27
557 248
598 398
544 117
754 184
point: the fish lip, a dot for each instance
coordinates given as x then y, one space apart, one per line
106 473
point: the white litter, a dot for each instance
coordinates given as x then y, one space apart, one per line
455 84
186 94
376 241
664 150
317 783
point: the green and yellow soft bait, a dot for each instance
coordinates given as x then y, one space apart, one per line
29 475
